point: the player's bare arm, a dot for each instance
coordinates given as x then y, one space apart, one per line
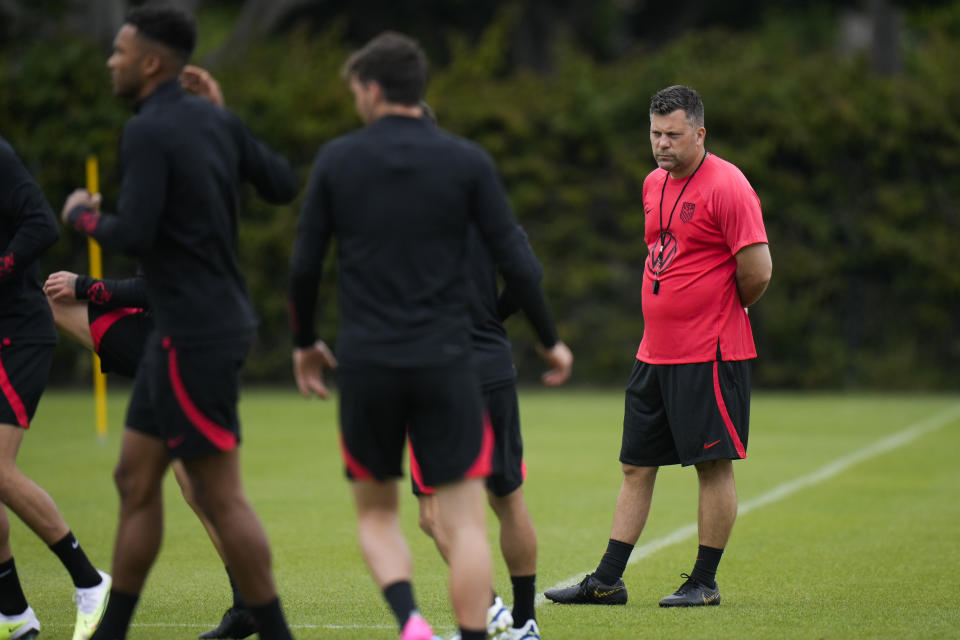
754 269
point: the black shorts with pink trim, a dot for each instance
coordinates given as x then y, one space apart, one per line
187 396
508 470
686 413
438 408
118 337
23 375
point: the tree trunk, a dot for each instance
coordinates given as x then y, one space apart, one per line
885 19
257 19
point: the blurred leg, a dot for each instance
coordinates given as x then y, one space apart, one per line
378 527
21 495
461 519
138 476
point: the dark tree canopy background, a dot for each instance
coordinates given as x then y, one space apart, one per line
845 116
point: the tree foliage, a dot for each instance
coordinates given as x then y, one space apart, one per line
855 172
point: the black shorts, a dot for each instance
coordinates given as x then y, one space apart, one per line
686 413
23 375
440 408
187 396
118 337
508 470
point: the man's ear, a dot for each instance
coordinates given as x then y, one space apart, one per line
376 92
151 64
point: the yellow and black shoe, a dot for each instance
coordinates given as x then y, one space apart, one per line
692 594
22 626
589 591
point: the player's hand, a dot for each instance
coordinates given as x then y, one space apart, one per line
199 82
560 359
308 365
61 285
80 198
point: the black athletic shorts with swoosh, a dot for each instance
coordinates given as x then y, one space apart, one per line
187 395
686 413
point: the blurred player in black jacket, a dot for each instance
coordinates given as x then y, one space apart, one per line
183 161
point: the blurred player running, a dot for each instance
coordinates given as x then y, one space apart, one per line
112 318
27 338
400 196
183 162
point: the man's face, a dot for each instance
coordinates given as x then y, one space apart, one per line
676 143
365 96
125 64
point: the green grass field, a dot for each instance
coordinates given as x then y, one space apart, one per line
866 548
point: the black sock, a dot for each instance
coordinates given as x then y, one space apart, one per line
12 600
614 562
270 621
524 592
705 568
467 634
238 601
399 596
116 619
83 573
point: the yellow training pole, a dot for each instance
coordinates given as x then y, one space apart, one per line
96 271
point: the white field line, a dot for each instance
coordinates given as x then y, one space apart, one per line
776 494
780 492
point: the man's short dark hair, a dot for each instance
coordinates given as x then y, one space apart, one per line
166 25
666 101
395 62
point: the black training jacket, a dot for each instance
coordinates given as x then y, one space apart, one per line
183 161
27 228
401 196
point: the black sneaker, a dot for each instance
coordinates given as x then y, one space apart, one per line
589 591
692 594
237 623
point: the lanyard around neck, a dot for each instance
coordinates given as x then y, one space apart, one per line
658 263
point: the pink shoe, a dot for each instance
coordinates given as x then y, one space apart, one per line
417 629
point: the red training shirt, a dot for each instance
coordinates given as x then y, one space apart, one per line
698 306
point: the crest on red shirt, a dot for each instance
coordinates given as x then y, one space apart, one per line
659 257
686 211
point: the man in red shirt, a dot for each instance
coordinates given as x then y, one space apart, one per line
688 398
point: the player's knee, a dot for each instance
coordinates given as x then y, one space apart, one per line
634 473
57 308
7 481
714 469
427 524
133 485
186 489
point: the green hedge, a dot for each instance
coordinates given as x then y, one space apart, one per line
856 173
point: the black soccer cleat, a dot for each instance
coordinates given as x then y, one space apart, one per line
692 594
589 591
237 623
